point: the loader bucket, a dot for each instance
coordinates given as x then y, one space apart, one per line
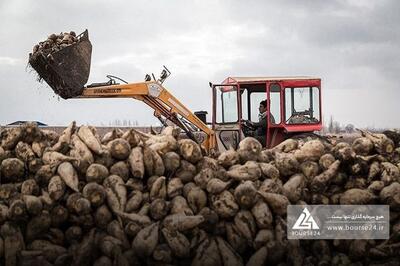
67 70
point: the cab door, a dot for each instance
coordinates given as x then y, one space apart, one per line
226 116
253 94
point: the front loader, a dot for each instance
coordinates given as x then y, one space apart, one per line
294 102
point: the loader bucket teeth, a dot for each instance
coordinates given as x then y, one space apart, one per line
67 70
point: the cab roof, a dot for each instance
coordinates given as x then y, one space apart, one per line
230 80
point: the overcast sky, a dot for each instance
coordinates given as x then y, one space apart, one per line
354 46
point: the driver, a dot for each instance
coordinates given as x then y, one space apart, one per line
260 127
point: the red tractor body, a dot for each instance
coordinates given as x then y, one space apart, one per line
293 107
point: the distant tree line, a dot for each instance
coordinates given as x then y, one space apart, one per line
334 127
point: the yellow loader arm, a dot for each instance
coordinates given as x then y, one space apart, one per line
161 100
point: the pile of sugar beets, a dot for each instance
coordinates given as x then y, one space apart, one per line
55 42
131 198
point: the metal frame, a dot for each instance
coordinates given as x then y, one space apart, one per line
161 100
283 83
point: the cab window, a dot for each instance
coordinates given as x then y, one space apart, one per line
226 101
302 105
255 99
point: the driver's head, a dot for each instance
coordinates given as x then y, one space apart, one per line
263 107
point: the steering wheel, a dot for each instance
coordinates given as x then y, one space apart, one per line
247 128
246 124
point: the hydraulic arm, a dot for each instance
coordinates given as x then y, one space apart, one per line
164 104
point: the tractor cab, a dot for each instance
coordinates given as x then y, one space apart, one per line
293 106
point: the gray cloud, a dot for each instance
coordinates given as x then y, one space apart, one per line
352 45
